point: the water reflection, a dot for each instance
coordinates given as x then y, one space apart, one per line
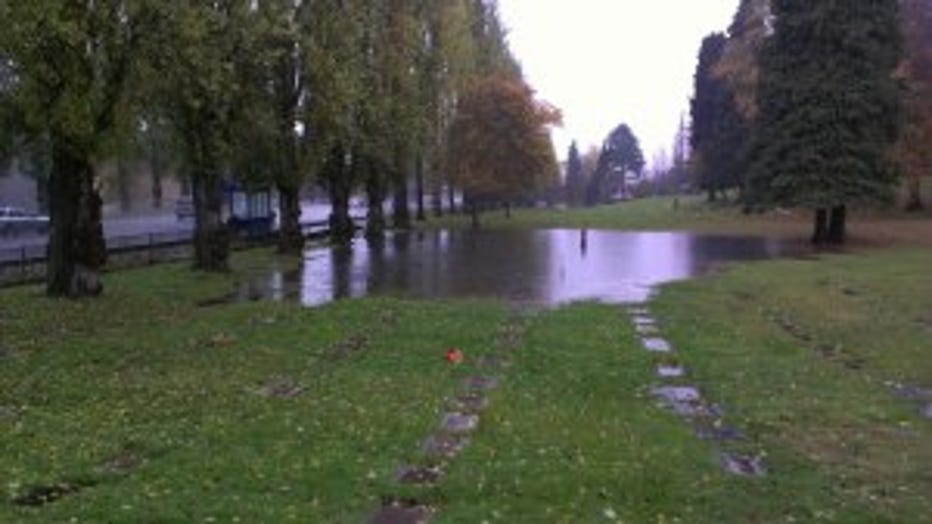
547 267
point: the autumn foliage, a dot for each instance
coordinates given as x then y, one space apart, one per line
499 146
914 150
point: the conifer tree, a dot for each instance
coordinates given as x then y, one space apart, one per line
829 109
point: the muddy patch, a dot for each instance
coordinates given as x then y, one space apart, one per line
121 464
420 475
36 496
280 388
395 511
222 300
347 347
744 465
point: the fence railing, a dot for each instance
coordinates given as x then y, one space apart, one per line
27 263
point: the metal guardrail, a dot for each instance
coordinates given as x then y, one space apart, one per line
26 263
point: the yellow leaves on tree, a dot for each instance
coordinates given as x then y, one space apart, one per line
499 145
914 150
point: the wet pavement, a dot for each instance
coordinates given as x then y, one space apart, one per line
543 267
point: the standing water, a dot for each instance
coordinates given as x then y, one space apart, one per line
549 267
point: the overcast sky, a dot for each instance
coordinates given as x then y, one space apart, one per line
603 62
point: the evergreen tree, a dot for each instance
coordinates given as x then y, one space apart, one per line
829 109
621 154
717 132
575 178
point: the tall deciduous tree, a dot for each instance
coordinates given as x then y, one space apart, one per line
499 145
68 65
203 49
829 109
621 154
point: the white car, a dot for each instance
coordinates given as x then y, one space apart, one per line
17 221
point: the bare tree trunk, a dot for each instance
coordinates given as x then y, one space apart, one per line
419 189
401 214
211 235
76 249
290 238
340 186
914 199
820 227
375 194
436 201
451 199
837 227
474 212
156 167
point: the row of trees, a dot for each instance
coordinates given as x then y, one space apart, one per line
607 171
802 104
347 93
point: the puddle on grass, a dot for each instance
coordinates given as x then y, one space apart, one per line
927 411
545 267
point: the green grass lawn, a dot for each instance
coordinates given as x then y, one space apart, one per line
154 404
694 213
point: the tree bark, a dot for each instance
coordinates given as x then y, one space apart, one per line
375 194
419 188
451 199
837 228
340 187
820 227
914 198
436 201
290 238
211 235
401 213
156 167
76 249
508 209
474 212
